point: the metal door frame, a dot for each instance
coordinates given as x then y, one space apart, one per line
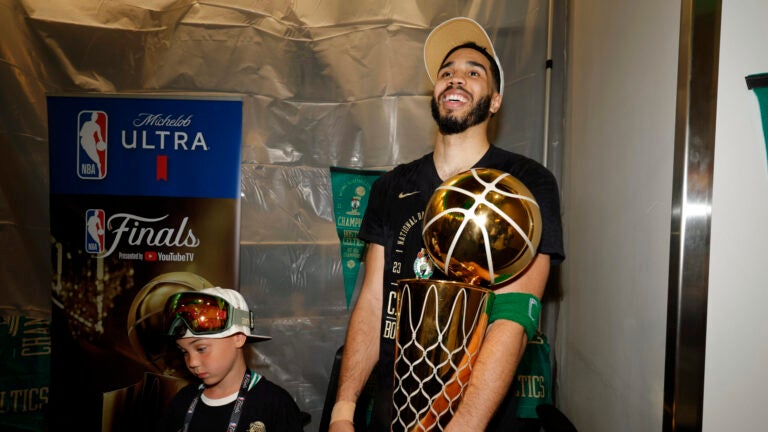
691 214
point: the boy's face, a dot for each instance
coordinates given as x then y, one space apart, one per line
210 359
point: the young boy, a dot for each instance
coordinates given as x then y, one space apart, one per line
211 327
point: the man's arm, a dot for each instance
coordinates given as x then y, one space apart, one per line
499 355
361 349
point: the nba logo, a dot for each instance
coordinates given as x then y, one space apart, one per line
94 231
92 145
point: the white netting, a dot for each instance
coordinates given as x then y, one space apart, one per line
440 328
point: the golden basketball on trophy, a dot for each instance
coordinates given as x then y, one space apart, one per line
481 228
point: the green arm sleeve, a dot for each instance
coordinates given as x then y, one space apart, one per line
522 308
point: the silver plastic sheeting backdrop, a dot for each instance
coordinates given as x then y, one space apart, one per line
324 83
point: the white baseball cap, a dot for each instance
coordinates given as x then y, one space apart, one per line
452 33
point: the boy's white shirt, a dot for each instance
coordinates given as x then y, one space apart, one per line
219 401
227 399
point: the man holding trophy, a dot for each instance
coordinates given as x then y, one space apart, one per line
468 90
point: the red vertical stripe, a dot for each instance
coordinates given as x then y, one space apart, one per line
162 168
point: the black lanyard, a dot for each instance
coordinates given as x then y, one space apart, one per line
234 419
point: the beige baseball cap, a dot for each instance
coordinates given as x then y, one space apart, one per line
450 34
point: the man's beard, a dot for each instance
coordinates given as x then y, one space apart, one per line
450 125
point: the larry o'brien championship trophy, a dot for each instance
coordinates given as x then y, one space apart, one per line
481 227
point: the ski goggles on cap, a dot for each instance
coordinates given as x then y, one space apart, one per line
202 314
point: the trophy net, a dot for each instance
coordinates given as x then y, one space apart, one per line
440 328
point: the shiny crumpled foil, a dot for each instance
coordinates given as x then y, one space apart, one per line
324 83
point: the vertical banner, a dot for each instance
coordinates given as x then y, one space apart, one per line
351 189
25 351
759 84
144 202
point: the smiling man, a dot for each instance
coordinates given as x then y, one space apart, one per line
468 90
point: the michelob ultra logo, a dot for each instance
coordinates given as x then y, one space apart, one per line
92 145
132 230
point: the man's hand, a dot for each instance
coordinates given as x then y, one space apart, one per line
341 426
